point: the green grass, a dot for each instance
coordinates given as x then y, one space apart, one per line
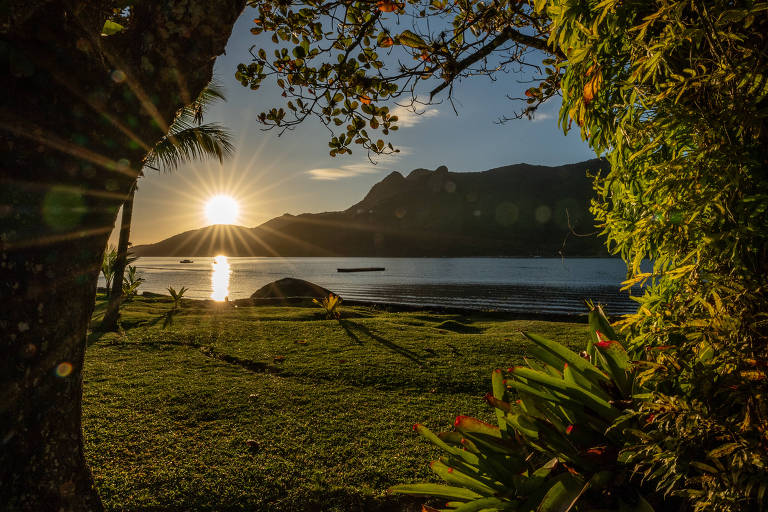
276 408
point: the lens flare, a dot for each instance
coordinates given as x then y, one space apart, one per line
64 369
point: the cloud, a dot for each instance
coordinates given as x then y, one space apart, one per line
393 157
406 117
345 171
539 116
352 170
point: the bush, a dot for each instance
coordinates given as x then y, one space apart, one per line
675 95
131 282
331 306
557 445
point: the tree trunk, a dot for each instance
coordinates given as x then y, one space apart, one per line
112 314
42 466
78 113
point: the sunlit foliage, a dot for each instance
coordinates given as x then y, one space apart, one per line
673 93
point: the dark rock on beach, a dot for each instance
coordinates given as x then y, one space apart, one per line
289 287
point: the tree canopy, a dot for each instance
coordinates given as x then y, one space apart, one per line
344 63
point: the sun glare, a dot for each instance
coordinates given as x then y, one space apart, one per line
222 210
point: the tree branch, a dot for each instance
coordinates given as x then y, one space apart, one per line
508 34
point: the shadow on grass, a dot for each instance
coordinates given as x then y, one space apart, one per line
350 328
168 317
458 327
94 337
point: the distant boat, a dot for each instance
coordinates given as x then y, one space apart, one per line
186 261
362 269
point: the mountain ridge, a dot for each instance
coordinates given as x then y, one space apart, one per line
514 210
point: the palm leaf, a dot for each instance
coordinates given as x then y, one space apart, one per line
188 138
213 92
190 143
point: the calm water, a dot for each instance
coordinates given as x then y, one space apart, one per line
505 284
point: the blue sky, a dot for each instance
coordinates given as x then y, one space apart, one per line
271 175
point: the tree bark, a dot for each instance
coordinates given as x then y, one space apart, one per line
78 113
112 314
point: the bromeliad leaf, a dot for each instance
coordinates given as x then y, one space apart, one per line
436 490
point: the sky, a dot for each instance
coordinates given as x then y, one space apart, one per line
270 175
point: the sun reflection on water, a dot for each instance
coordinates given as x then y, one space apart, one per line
220 278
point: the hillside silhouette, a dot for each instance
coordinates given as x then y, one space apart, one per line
516 210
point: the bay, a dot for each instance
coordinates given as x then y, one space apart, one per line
523 285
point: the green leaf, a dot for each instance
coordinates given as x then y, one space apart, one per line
568 356
436 490
578 379
616 363
498 388
563 492
431 437
473 425
456 477
411 40
725 449
570 390
110 27
598 322
485 504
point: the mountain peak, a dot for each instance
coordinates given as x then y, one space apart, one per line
394 176
515 210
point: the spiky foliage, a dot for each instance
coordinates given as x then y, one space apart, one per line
675 94
330 305
131 282
554 448
189 139
177 295
108 263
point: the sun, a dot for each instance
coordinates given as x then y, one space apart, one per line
222 210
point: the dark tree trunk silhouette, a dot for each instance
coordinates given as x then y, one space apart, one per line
112 314
78 113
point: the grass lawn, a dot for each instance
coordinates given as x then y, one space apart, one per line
276 408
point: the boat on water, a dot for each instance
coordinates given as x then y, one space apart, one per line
186 261
361 269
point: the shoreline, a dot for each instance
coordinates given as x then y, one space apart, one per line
385 306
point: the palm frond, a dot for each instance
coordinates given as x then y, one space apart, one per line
213 92
188 138
194 142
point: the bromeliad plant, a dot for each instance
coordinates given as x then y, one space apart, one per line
330 305
560 428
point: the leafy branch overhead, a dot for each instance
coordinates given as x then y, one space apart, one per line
346 63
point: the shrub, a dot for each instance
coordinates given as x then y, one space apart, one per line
557 444
131 282
675 94
330 305
108 266
177 295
